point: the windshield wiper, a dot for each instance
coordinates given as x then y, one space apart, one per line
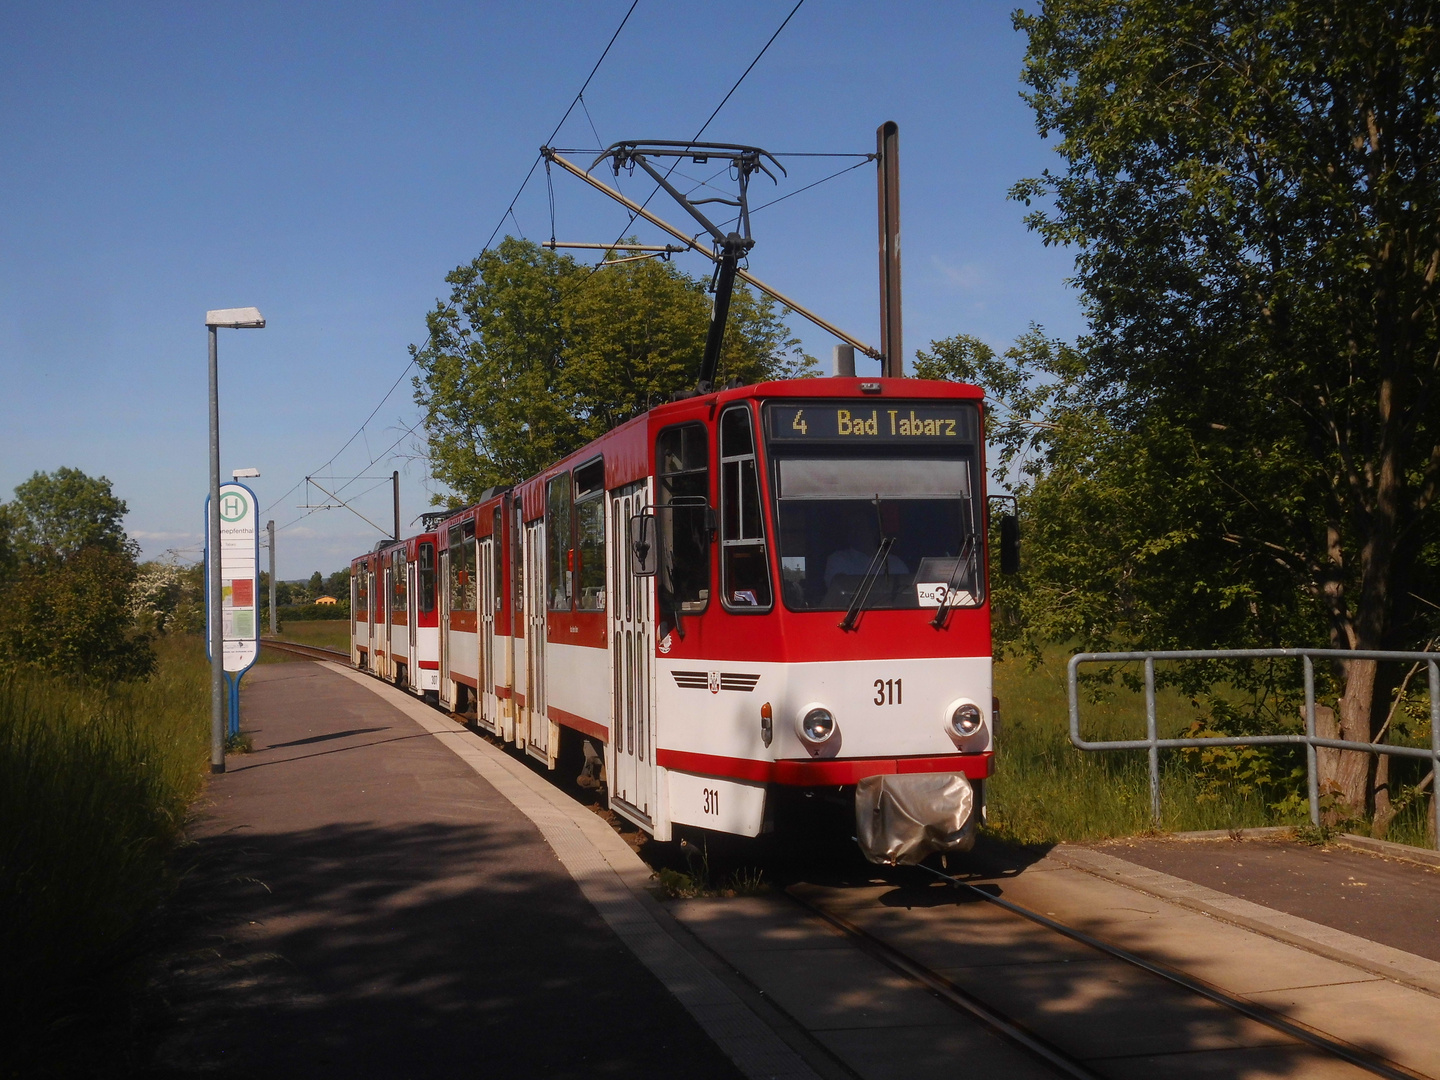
967 554
881 560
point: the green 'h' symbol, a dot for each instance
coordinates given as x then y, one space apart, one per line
233 507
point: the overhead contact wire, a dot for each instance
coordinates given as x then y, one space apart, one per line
694 138
585 86
510 213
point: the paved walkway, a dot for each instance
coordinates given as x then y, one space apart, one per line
1383 899
369 906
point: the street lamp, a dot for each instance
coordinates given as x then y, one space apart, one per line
248 318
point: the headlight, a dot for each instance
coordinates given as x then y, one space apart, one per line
966 720
817 726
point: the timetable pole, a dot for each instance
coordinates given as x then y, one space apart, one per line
274 622
212 566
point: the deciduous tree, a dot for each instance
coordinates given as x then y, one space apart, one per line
534 354
67 510
1253 193
67 599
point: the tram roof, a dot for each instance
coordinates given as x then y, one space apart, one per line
626 446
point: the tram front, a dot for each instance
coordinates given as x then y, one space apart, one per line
849 654
879 523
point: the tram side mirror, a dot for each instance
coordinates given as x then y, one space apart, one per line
644 556
1009 544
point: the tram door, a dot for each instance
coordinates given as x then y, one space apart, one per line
537 727
632 726
442 608
387 670
485 672
515 665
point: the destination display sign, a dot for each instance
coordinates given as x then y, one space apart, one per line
865 421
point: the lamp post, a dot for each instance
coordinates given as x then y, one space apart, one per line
236 319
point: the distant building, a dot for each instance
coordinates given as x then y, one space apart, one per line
326 600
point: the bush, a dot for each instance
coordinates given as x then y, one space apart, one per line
308 612
74 616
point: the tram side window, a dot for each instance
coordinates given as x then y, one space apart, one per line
744 566
462 568
497 552
517 558
682 472
397 580
590 535
560 561
425 576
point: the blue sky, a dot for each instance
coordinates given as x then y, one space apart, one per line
330 163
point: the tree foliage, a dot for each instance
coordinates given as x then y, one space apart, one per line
73 616
1253 193
535 354
65 511
67 581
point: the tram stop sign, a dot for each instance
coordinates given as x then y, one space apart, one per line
239 575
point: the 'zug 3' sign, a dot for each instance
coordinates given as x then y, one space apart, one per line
862 421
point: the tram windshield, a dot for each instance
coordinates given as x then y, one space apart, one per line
894 517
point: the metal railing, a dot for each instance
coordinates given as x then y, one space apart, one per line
1154 744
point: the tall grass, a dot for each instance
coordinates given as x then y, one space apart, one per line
95 784
1045 790
326 633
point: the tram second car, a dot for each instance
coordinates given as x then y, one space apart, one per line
774 586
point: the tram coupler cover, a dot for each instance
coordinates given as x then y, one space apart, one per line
902 818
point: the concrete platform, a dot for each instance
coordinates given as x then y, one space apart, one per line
1386 900
368 905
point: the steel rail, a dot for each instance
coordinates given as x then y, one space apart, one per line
943 988
694 245
1354 1055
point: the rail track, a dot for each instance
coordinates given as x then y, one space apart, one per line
309 652
1035 1042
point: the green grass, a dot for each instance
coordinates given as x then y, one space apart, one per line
95 786
326 633
1045 790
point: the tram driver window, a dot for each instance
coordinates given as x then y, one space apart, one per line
744 567
560 563
682 476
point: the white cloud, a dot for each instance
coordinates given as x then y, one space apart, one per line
966 276
143 535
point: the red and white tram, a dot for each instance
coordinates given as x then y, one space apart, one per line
770 587
394 616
